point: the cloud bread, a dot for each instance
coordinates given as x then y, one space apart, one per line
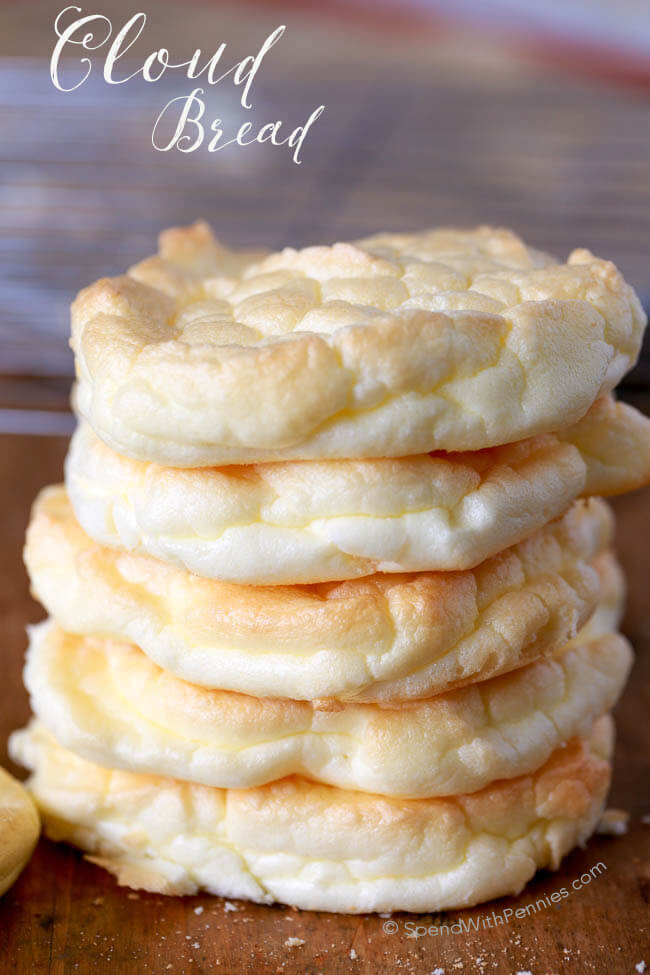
383 637
109 703
315 846
19 829
314 521
613 440
397 344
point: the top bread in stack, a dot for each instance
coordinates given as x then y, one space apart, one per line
396 345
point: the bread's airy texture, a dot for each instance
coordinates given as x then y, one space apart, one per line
383 637
314 521
109 703
398 344
19 829
315 846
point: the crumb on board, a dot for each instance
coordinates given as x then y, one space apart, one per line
640 967
294 942
613 822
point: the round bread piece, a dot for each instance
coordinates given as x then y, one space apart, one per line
19 829
398 344
613 440
109 703
315 521
315 846
383 637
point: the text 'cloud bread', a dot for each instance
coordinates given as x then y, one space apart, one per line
380 638
315 521
395 345
315 846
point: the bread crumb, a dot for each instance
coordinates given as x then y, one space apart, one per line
198 910
613 822
229 906
353 954
294 942
640 967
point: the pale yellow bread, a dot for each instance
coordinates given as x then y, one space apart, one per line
613 440
609 611
19 829
109 703
383 637
315 846
398 344
314 521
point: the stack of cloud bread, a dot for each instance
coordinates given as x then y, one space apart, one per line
333 605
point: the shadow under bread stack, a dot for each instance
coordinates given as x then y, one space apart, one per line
333 604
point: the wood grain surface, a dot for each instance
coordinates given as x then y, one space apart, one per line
65 916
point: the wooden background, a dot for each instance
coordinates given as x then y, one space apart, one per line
421 127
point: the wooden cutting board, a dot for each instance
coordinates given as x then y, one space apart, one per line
66 916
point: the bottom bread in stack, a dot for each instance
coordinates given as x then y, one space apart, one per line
316 846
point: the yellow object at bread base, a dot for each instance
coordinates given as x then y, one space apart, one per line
19 829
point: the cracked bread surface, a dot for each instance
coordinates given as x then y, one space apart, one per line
383 637
315 846
397 344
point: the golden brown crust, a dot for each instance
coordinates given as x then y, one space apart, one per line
396 345
614 441
19 829
384 637
110 704
314 521
315 846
